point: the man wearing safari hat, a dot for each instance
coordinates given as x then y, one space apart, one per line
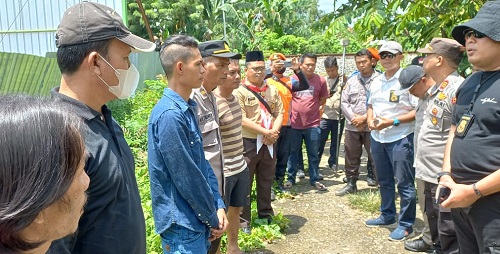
93 55
471 159
391 118
434 113
285 87
216 55
262 112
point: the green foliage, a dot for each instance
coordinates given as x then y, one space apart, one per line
132 115
288 26
412 23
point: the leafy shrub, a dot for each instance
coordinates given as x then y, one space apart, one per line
133 115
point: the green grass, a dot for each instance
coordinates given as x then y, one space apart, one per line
365 200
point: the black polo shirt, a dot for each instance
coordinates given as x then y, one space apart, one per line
113 220
477 155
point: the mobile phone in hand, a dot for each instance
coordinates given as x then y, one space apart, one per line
442 193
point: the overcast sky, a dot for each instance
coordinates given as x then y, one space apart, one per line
327 5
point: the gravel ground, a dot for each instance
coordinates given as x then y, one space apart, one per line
324 223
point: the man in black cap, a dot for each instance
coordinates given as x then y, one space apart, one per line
471 160
93 55
433 122
216 55
262 111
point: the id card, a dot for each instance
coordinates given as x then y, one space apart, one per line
464 125
393 97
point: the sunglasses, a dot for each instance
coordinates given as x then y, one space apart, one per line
476 34
387 55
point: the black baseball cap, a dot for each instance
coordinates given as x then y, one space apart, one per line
217 48
89 22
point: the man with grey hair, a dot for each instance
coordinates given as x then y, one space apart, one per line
216 55
93 48
187 207
471 161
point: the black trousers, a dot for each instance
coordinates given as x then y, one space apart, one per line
478 226
441 224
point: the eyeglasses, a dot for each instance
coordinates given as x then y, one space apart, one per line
476 34
258 69
387 55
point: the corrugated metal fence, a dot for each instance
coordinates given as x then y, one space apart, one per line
20 73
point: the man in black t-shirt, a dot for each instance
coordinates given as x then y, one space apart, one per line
93 55
471 161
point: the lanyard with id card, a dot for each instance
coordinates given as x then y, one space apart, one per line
468 118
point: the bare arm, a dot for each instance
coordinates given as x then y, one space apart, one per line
463 195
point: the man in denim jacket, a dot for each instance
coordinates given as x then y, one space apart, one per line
187 207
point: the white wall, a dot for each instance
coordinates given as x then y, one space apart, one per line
21 20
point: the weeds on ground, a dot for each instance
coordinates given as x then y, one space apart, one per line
365 200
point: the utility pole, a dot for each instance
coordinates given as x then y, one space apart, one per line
344 42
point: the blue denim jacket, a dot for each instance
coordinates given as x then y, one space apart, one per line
184 188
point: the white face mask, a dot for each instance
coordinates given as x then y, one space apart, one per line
128 81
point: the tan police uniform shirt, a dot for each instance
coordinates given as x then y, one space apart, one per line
434 115
250 106
208 122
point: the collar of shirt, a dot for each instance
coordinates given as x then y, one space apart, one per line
387 83
179 101
79 107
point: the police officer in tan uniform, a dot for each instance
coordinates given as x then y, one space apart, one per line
216 55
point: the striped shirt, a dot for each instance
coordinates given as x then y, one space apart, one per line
230 119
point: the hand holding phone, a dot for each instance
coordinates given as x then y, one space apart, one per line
442 193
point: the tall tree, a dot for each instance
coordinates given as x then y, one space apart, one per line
413 23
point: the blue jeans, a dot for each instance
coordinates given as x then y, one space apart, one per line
395 160
177 239
328 126
312 138
282 153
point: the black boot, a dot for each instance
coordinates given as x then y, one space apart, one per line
370 177
350 187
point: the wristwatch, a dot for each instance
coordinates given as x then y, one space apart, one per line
443 173
396 122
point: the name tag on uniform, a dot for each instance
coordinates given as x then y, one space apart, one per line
206 118
393 97
464 125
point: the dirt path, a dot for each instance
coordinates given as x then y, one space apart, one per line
324 223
